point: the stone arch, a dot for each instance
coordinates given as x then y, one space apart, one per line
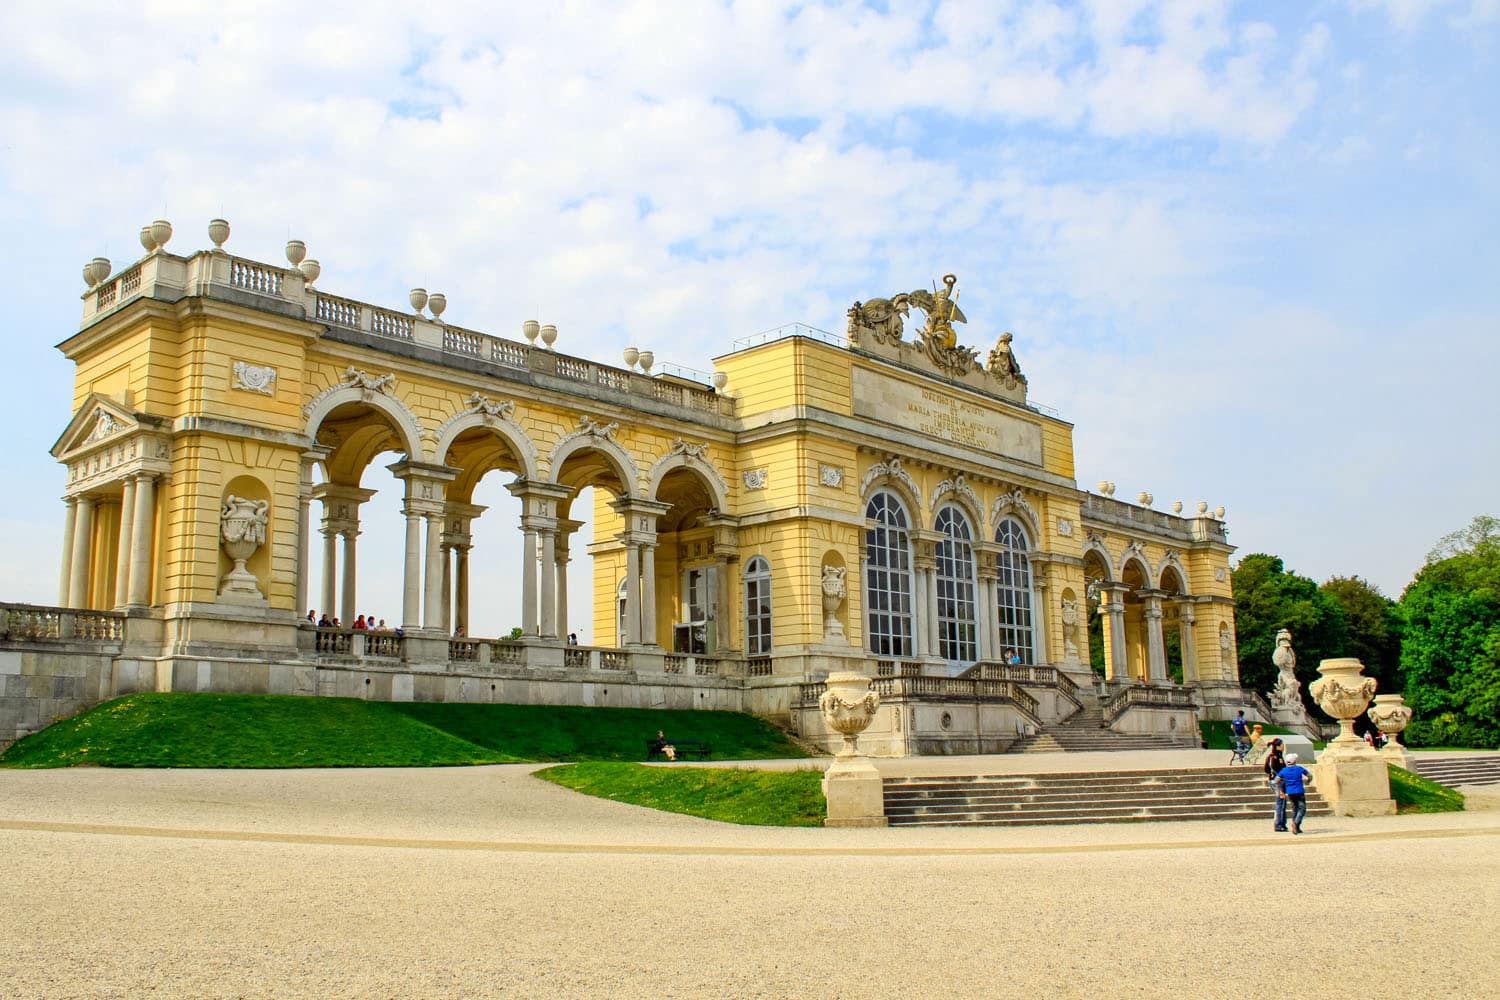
961 495
889 475
592 437
408 428
1016 505
692 461
1133 556
1171 564
503 426
1093 544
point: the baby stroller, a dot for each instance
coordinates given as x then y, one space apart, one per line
1239 747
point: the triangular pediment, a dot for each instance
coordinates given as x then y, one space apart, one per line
99 420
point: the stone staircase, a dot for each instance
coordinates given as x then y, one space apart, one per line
1085 731
1458 770
1089 797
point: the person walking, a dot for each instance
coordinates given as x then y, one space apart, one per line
1293 780
1275 762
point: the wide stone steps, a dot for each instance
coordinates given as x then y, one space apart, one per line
1058 739
1092 797
1458 770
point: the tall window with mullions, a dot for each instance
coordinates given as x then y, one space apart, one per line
1013 589
957 631
888 577
758 607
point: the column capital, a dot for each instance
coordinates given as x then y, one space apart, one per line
640 517
424 480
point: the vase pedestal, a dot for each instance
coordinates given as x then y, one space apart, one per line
855 793
1354 781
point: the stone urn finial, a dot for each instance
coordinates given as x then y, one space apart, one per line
1343 692
849 706
161 232
418 299
296 252
436 303
243 528
218 232
835 589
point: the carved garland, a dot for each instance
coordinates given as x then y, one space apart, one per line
890 468
1016 500
957 484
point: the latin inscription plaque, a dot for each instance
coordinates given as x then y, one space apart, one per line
940 414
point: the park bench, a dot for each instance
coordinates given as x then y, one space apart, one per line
685 749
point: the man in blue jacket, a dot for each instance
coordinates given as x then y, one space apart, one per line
1293 780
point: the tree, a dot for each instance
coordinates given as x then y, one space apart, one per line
1268 598
1374 628
1450 648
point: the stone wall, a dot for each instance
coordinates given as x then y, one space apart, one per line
39 685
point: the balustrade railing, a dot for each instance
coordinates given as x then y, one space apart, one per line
463 651
673 664
106 296
705 667
759 666
130 282
334 641
504 651
389 324
463 342
339 312
576 658
940 689
614 659
254 277
41 623
1147 696
503 352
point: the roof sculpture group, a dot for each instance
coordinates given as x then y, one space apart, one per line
882 320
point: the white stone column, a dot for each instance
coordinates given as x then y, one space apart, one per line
330 571
461 589
411 592
562 582
432 608
1188 619
448 601
1039 612
528 580
348 602
83 544
1118 664
648 598
1156 647
934 648
141 541
122 546
304 533
65 571
632 593
549 582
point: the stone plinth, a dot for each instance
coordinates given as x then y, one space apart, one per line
1354 784
855 794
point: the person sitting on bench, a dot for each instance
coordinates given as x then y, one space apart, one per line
660 746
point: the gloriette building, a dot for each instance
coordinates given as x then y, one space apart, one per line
885 500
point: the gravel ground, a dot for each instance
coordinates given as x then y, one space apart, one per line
488 882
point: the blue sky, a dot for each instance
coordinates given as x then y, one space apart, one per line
1250 249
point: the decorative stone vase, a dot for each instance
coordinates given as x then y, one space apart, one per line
647 359
88 275
296 250
218 231
242 525
1144 498
146 240
1202 508
720 381
1391 714
1342 692
436 303
1219 513
849 706
99 269
631 356
529 330
161 232
1177 506
549 335
310 270
418 299
834 591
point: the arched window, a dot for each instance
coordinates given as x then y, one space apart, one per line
1013 590
758 607
621 602
888 576
957 633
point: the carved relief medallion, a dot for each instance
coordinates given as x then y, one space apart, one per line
755 479
255 378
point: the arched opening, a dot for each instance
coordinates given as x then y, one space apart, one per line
593 478
355 553
1176 627
957 621
1136 578
482 535
692 578
1097 576
888 583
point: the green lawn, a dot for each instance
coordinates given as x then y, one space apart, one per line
1415 794
243 730
755 798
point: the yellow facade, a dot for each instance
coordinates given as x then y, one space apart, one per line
206 381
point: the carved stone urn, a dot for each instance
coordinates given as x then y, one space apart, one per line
1391 714
834 590
242 525
1343 692
849 706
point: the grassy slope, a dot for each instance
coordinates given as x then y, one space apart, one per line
758 798
1415 794
235 730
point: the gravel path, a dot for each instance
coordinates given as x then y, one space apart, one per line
488 882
